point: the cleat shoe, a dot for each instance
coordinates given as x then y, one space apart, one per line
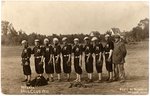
99 81
110 80
52 80
107 79
68 80
59 80
90 80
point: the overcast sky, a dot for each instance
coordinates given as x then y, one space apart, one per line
73 17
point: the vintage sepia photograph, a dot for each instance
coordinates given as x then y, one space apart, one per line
74 47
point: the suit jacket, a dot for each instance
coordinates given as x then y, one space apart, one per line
119 53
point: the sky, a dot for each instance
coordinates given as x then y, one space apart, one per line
50 17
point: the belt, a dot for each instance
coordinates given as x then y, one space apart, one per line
65 55
87 55
37 57
76 56
55 56
97 54
106 52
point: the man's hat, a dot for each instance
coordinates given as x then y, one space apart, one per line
65 38
117 36
107 35
55 39
36 40
76 39
86 38
46 40
94 39
24 41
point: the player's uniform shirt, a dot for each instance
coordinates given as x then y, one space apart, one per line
26 54
38 53
89 65
56 50
77 50
109 46
96 50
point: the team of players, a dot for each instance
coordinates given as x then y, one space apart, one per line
92 52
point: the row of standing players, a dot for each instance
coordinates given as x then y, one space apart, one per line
51 56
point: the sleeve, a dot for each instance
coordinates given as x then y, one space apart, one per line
73 49
32 50
43 51
52 50
123 50
70 49
59 49
111 45
92 48
29 52
82 48
101 48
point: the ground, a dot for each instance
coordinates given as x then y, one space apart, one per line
136 68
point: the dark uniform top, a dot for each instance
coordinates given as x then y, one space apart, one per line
37 51
77 50
89 65
88 49
47 51
56 50
109 46
66 49
26 53
98 48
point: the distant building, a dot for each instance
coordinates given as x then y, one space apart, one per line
115 31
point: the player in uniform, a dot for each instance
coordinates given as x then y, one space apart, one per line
38 57
98 57
77 59
88 59
56 57
47 53
108 50
66 57
26 54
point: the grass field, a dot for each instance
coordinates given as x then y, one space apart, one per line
136 68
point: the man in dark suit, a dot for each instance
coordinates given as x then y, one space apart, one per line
119 55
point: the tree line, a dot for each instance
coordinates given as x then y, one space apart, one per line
10 36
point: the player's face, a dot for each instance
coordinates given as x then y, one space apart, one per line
55 42
46 43
65 42
106 38
117 39
75 42
25 45
94 42
87 41
37 43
